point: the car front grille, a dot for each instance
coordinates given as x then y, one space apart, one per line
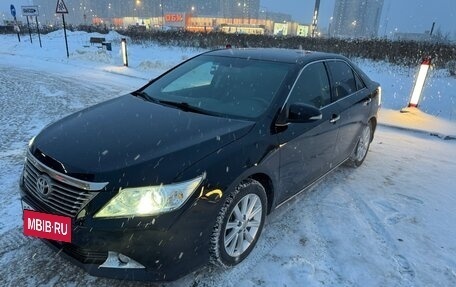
85 255
43 185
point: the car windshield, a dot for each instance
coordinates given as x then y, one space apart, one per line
224 86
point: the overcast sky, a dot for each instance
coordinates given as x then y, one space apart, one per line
403 15
398 15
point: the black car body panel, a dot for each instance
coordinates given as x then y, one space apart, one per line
133 141
127 132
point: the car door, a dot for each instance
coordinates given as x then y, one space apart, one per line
353 101
306 149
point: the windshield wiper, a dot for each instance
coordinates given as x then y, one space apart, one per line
180 105
145 96
185 107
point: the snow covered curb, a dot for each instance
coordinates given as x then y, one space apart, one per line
413 119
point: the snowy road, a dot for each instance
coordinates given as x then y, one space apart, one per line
389 223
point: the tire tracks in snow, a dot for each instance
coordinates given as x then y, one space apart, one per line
276 227
282 224
12 240
382 235
29 100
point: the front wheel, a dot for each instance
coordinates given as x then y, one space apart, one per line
360 152
239 223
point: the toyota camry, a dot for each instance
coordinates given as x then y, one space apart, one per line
154 184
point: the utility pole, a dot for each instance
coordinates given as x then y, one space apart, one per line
432 29
315 18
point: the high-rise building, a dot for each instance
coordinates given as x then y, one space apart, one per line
197 7
356 18
240 9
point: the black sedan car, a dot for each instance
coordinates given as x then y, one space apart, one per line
154 184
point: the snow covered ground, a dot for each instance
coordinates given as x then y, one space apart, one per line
391 222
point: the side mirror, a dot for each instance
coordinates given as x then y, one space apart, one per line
303 113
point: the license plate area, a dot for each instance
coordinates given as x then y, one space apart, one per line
45 225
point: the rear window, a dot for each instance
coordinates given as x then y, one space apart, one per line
343 79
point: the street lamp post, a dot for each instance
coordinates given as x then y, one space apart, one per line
243 13
329 28
162 15
109 13
137 8
354 23
85 15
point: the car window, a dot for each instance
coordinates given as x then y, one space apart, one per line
312 87
359 83
199 76
343 79
225 86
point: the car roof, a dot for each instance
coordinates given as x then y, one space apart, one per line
294 56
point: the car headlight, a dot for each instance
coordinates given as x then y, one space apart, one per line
149 200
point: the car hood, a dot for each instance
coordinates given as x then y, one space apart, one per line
131 135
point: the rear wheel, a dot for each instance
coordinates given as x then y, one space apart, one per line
360 152
239 223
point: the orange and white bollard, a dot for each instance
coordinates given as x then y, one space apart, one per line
419 83
123 45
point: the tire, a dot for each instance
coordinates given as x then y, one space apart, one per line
362 147
239 224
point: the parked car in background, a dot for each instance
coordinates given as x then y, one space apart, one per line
154 184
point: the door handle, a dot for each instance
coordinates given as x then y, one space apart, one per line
334 118
367 102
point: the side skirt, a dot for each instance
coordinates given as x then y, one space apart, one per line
310 185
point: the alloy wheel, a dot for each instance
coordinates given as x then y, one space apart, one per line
243 225
363 145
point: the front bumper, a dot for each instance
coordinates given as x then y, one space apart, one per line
85 260
158 254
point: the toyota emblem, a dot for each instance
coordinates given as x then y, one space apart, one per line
43 185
